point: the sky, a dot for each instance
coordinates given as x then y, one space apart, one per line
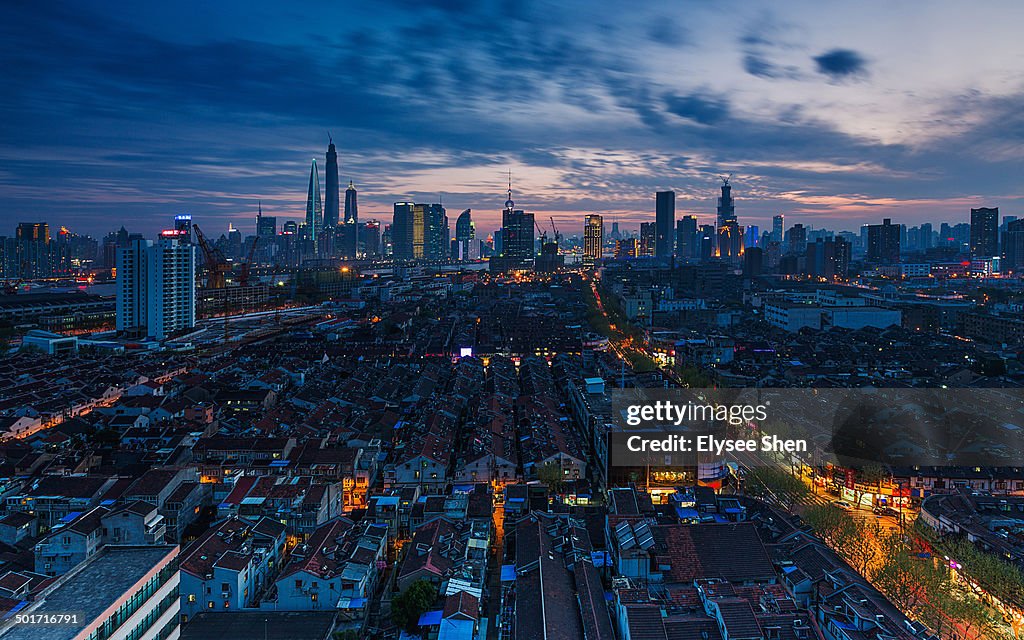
835 114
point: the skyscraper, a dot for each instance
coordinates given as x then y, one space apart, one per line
32 250
331 212
156 295
436 234
351 205
686 237
593 239
402 231
465 237
266 226
314 206
648 238
884 242
517 245
1013 246
665 214
778 224
352 220
726 205
984 232
796 240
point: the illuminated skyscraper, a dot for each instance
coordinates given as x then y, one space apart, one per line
32 250
686 237
314 206
465 238
593 239
351 205
517 245
331 212
778 224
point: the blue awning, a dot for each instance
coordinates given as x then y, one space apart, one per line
508 573
430 618
463 488
686 514
71 516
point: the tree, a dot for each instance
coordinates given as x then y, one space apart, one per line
772 481
550 473
408 606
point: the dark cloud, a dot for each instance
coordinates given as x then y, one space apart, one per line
665 30
757 65
841 64
702 108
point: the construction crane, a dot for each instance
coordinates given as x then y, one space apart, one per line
217 265
543 233
558 236
243 275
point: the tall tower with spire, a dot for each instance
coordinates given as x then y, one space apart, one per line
331 212
517 240
314 205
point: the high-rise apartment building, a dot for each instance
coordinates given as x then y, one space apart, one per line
984 232
883 244
593 239
156 286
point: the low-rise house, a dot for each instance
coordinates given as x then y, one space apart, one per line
230 565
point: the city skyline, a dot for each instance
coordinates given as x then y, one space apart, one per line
819 118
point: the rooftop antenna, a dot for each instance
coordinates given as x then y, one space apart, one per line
330 139
725 180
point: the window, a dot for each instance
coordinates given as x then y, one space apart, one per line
313 597
210 604
65 540
191 597
298 584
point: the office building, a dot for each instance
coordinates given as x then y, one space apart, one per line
465 238
314 206
370 238
352 220
984 232
351 205
436 235
402 231
883 242
593 239
156 294
686 237
778 224
266 226
517 239
648 235
665 214
331 208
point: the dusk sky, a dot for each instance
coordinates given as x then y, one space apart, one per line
834 114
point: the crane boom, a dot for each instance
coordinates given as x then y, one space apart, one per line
216 264
243 276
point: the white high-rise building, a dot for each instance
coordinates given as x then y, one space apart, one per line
156 286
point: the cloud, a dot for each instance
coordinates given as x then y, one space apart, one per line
666 31
702 108
758 65
841 64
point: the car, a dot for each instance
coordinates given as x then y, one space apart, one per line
840 504
886 511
